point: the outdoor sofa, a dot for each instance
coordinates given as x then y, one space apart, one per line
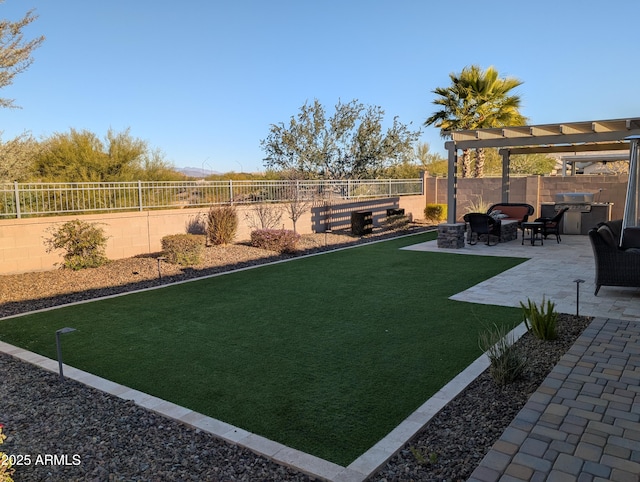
512 211
615 266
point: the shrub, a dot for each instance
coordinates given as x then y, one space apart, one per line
541 321
478 206
507 363
183 249
435 212
84 244
280 240
222 224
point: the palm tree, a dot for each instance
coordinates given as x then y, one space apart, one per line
476 99
495 107
454 115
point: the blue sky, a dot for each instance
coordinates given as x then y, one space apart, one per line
202 80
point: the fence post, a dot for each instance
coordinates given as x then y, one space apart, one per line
16 193
231 191
140 203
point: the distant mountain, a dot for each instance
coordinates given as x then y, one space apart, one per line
196 171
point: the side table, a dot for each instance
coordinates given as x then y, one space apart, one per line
535 232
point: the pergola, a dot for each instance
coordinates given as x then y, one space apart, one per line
591 136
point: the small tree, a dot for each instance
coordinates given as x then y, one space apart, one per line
297 205
263 216
295 209
84 244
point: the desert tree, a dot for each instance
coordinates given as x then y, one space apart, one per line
16 157
15 57
350 143
82 156
15 51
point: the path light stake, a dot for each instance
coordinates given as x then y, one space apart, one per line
160 258
59 347
577 282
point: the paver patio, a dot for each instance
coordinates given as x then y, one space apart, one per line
583 422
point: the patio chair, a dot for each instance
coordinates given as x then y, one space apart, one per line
482 224
614 266
552 225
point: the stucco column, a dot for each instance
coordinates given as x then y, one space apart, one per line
505 175
452 182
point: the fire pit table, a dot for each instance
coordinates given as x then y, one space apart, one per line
535 232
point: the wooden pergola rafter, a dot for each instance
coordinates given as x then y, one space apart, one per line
601 135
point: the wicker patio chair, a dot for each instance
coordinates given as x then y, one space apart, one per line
482 224
552 225
614 266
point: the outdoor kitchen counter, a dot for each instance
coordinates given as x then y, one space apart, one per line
581 216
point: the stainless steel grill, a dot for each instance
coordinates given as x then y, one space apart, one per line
583 212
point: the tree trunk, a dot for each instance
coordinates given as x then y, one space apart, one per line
466 163
479 168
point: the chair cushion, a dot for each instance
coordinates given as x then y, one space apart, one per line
608 236
616 228
514 212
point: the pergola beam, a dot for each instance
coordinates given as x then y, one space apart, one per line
545 139
606 146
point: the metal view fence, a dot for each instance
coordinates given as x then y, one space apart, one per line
41 199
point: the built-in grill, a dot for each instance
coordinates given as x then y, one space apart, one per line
583 212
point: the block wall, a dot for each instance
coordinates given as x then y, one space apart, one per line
23 248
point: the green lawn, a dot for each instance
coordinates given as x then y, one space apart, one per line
326 354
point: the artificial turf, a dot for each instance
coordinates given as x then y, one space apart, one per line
325 354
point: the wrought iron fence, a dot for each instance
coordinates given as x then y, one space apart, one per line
42 199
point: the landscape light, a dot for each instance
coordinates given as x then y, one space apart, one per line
160 258
59 347
577 282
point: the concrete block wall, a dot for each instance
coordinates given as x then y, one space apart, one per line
23 247
533 190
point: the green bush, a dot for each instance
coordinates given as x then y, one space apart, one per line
280 240
435 212
507 363
541 321
183 249
222 224
84 244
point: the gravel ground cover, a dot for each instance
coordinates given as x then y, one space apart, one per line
101 437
